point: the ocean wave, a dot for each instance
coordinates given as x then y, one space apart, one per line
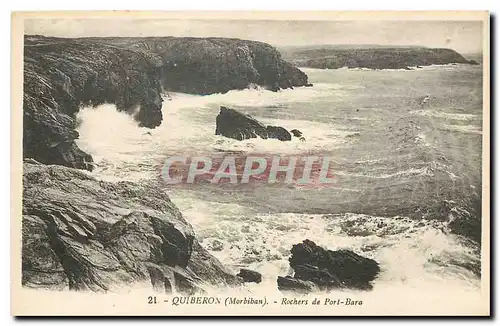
411 252
446 115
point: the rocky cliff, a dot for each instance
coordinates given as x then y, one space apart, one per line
371 57
80 233
62 75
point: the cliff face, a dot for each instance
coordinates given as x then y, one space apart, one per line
80 233
373 58
233 124
83 234
62 75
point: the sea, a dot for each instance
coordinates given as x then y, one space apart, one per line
401 142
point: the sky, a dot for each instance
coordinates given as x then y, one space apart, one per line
462 36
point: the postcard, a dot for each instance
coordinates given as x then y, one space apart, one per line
250 163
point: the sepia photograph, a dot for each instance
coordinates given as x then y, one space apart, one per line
250 163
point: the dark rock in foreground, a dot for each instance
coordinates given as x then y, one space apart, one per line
233 124
290 284
328 269
250 276
62 75
79 233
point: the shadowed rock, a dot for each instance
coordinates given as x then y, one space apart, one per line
278 133
80 233
296 132
62 75
234 124
250 276
329 269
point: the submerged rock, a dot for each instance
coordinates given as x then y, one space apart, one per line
80 233
234 124
329 269
250 276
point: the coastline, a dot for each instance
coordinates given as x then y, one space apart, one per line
62 75
205 257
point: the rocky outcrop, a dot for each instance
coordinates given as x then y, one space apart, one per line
250 276
332 57
291 76
233 124
327 269
296 132
79 233
290 284
463 220
62 75
279 133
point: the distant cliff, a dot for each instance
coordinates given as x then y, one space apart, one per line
62 75
334 57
